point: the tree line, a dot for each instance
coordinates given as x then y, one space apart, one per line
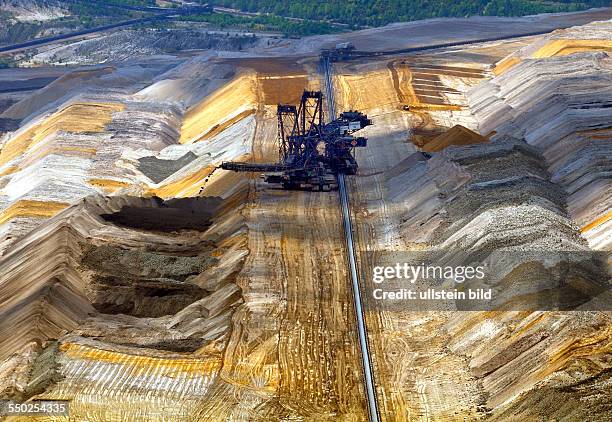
263 23
381 12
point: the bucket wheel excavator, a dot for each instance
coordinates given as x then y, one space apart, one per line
311 152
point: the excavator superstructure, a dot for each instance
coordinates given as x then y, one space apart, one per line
311 152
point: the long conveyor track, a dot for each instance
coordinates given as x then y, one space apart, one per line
348 233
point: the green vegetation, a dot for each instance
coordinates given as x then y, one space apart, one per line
264 23
382 12
91 13
290 17
6 62
81 14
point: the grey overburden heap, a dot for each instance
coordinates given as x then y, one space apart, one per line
563 107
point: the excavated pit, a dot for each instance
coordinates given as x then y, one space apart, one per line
197 294
142 283
121 286
167 216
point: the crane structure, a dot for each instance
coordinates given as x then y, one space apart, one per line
311 152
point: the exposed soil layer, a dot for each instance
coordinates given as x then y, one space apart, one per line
457 135
419 83
8 125
141 283
279 66
123 288
455 365
570 402
43 373
143 298
235 303
566 116
40 371
77 118
217 110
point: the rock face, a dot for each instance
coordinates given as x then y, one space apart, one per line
122 284
525 190
560 105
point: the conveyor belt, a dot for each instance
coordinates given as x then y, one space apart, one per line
348 233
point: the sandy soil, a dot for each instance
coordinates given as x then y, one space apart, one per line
291 353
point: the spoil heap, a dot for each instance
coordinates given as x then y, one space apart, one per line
523 191
561 105
469 201
457 135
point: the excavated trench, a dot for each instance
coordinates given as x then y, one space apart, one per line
167 215
142 283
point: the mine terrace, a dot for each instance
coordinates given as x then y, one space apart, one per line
190 216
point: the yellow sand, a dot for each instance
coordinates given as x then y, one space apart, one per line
457 135
76 118
435 107
173 365
9 170
215 130
367 91
402 77
565 47
597 222
408 95
32 208
108 185
555 48
220 107
188 186
580 351
505 64
286 89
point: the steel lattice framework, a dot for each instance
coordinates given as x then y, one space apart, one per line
310 151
